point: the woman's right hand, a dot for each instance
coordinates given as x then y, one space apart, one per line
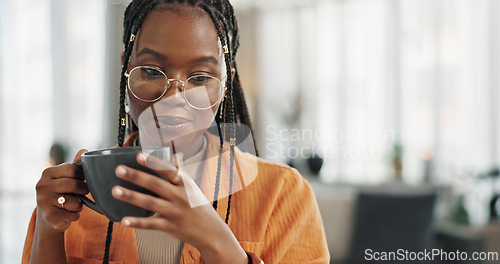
63 180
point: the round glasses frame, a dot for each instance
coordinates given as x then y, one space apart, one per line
167 86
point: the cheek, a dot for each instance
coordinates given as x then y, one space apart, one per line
136 108
215 108
204 118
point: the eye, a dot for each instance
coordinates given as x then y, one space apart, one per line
200 79
151 73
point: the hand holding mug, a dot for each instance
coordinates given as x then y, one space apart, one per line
99 172
56 206
198 225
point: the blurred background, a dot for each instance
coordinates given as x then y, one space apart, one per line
388 107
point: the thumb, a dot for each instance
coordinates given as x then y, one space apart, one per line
78 155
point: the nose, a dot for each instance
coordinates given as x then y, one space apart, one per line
174 90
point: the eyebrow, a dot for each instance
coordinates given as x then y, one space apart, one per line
209 59
151 52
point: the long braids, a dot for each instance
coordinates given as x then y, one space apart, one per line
129 36
233 108
228 103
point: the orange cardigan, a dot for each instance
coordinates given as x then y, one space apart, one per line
275 217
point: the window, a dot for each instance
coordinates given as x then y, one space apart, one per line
350 79
51 89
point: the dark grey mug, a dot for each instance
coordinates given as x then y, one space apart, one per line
99 171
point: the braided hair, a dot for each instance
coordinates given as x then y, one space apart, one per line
233 110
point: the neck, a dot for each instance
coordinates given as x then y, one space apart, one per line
191 148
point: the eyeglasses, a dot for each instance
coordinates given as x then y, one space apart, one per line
150 84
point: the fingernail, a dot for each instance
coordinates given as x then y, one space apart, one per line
143 157
120 171
126 222
118 191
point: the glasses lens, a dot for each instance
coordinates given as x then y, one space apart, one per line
147 83
202 91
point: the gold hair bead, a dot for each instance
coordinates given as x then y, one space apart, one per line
232 141
132 38
124 122
225 49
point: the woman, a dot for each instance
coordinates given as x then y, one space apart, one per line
271 216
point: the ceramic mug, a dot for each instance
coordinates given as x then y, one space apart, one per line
99 171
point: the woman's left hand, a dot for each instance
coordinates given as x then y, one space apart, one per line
199 226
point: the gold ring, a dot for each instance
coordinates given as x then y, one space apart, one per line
61 200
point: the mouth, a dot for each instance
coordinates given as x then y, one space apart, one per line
173 122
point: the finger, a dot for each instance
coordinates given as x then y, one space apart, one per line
165 170
78 155
71 203
146 180
153 162
70 185
64 170
176 179
142 200
56 180
152 223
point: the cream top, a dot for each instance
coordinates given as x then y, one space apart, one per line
157 247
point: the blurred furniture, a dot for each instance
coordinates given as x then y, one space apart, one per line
452 237
386 221
338 204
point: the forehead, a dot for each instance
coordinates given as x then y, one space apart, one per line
178 30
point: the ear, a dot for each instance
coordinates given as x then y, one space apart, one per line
123 55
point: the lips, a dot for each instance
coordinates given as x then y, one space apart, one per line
174 121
